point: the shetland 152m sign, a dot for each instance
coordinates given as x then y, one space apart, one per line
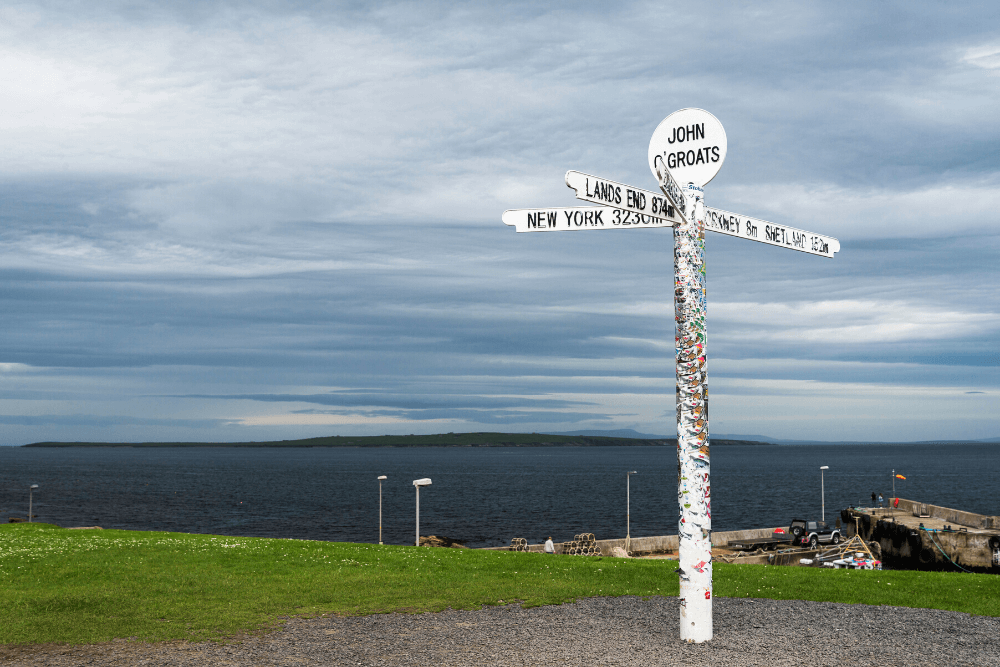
745 227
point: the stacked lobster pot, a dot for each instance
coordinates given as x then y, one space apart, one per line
584 544
518 544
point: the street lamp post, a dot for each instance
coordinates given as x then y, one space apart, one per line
628 507
426 481
380 478
31 491
822 489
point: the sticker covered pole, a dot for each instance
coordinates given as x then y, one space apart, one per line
693 488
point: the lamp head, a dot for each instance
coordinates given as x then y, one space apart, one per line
632 472
33 487
824 467
426 481
382 477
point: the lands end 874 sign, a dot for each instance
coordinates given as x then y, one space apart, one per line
692 144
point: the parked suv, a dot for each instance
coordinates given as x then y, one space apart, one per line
813 533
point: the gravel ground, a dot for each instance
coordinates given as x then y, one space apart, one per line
597 631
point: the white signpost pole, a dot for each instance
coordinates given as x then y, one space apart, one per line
693 489
695 139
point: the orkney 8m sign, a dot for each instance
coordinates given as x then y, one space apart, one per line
783 236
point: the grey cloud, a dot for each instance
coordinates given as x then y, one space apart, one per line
107 421
462 304
405 402
529 91
307 195
477 416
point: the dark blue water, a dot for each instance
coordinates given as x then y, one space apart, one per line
483 496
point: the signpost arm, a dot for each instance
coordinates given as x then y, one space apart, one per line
693 488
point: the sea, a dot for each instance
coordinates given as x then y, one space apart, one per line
481 496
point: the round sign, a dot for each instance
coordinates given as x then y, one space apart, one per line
692 144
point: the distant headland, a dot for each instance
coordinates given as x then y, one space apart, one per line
439 440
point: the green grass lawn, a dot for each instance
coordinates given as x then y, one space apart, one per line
83 586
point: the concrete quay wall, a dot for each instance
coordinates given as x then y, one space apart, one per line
948 515
659 544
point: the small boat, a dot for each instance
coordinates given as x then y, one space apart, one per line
859 561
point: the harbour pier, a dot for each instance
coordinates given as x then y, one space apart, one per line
909 536
919 536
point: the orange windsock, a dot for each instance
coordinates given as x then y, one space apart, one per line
900 477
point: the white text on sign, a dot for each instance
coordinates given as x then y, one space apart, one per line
609 193
577 218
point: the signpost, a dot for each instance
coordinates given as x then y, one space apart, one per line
685 153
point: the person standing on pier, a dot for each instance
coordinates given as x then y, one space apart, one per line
549 547
880 501
873 499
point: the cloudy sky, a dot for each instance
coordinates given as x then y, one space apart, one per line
239 221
